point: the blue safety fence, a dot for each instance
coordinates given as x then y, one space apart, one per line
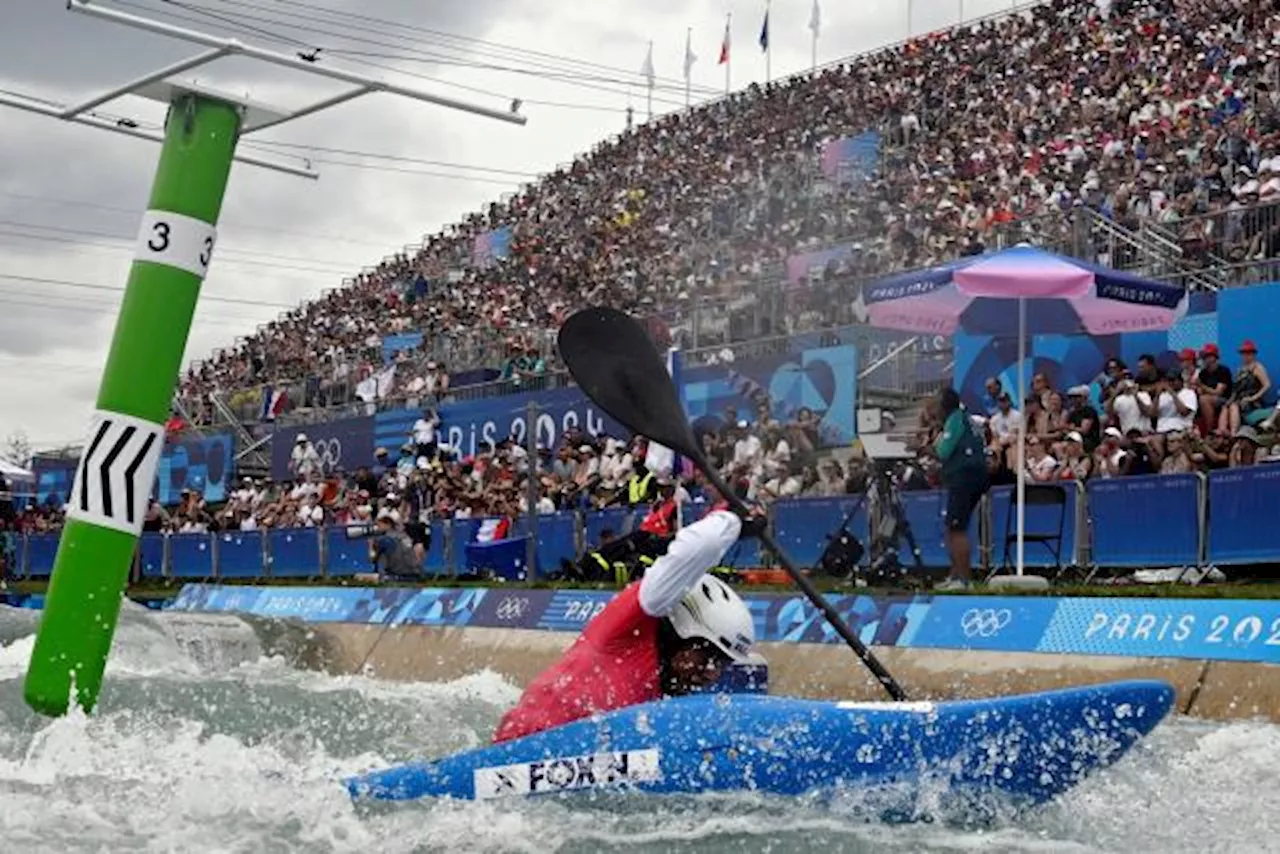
240 554
803 526
1242 516
191 557
294 552
153 556
925 514
1038 519
1145 521
1156 521
557 538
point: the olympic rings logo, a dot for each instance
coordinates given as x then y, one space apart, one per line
984 622
330 452
512 608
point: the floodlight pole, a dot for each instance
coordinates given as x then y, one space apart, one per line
113 483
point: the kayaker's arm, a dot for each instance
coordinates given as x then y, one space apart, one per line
695 549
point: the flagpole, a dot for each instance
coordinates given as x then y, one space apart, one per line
688 51
815 23
768 47
728 60
649 88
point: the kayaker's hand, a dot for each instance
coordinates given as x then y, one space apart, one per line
754 521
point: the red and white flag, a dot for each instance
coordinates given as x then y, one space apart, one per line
724 44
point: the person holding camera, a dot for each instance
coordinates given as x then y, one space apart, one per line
962 455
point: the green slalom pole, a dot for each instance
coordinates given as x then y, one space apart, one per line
117 469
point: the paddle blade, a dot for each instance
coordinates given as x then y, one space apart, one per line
614 362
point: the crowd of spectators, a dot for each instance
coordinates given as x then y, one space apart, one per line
1157 114
424 480
1197 416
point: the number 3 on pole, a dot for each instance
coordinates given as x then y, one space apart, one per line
176 241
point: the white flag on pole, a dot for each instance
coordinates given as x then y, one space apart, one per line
815 19
689 56
647 68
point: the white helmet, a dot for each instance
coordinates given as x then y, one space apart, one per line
712 611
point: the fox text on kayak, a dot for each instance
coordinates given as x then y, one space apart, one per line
568 773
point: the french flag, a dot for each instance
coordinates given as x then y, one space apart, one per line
274 401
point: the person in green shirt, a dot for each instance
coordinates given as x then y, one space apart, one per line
962 454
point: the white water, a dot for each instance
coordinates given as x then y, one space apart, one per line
197 753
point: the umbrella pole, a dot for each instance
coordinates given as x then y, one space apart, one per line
1022 431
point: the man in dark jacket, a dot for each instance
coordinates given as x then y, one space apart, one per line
962 454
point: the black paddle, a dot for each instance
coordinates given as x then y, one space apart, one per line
616 364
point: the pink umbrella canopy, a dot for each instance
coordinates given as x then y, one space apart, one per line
1062 296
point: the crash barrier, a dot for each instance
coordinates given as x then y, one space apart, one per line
1222 519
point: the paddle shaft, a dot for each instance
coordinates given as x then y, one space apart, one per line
806 587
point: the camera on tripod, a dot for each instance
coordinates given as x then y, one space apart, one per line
889 529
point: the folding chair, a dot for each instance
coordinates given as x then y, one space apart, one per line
1049 538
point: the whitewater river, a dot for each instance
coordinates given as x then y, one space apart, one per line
208 748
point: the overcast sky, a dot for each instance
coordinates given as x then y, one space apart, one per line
71 196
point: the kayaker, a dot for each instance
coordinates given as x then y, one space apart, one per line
668 634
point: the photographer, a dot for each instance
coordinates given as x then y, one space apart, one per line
961 452
392 551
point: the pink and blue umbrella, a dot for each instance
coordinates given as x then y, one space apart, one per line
982 295
1021 291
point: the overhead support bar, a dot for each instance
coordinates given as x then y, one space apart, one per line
127 127
238 48
155 76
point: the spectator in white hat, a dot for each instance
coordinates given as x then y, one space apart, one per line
304 460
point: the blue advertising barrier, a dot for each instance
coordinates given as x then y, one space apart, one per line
1203 629
1219 630
19 566
41 550
191 556
153 554
344 555
436 560
469 425
557 539
998 623
1038 519
343 444
294 552
613 519
1145 521
823 380
53 479
803 526
1122 514
925 514
1242 527
240 554
203 464
461 532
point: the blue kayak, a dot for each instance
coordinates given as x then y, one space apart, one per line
1030 748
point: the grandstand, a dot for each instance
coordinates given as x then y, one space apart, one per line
1140 135
1053 125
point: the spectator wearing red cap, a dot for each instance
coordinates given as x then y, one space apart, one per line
1250 386
1213 384
1187 366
